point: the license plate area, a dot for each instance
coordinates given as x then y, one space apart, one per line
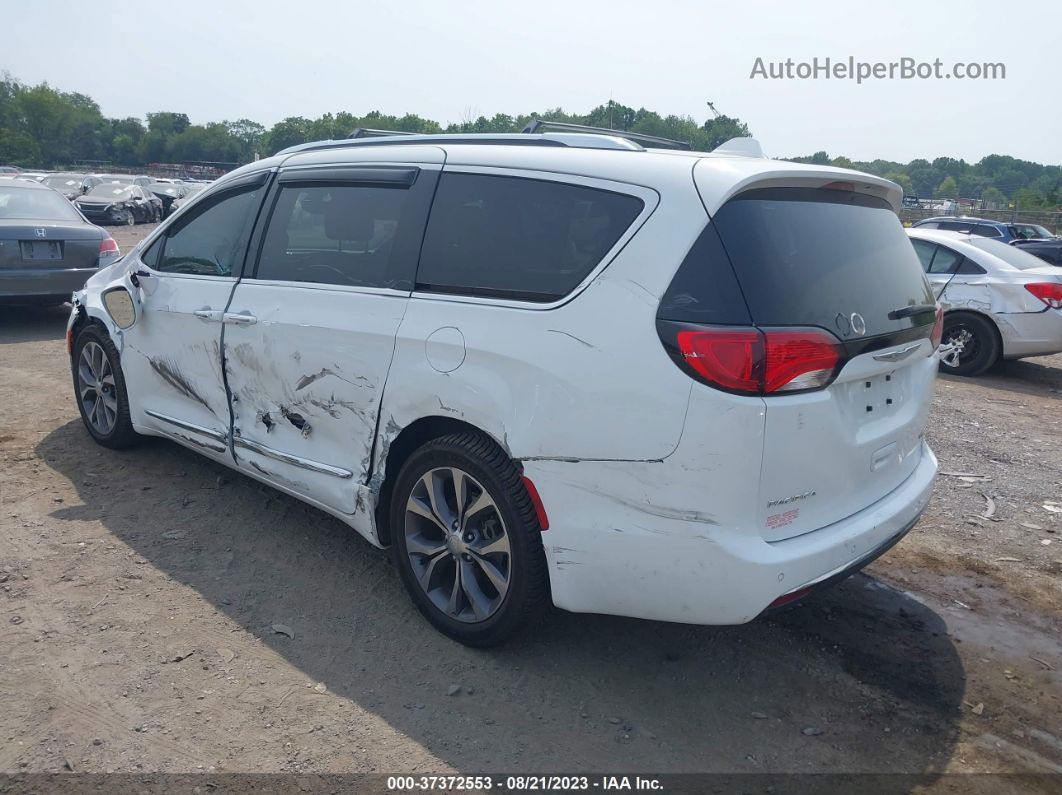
41 249
880 395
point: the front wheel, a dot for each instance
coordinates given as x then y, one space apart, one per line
466 540
978 341
99 388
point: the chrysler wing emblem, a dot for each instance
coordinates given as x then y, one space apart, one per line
40 232
895 356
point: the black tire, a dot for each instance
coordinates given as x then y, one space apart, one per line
121 435
128 218
982 346
528 583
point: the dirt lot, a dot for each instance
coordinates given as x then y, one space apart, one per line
140 588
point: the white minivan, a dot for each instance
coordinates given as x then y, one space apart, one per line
561 367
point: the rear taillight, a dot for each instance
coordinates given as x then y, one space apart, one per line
108 247
1048 292
761 362
938 328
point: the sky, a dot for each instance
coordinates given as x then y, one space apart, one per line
267 60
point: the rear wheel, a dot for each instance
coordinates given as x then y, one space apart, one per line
979 343
99 388
466 540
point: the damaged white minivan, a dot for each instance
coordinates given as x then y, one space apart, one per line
552 367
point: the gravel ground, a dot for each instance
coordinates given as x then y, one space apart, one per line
139 592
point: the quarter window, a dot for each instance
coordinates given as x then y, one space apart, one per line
524 239
212 241
946 261
335 234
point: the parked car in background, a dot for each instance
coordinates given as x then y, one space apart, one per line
1050 251
984 227
10 171
190 190
417 334
114 203
71 184
126 179
168 191
1000 301
47 249
33 176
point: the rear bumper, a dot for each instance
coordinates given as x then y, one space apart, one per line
623 560
26 284
1030 333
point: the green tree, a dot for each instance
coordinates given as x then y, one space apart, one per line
948 188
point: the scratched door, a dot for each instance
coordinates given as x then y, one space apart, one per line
310 332
171 356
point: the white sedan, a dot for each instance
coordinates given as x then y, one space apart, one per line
1000 302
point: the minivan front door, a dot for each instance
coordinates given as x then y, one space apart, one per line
183 283
310 330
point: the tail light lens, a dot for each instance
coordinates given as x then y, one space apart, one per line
1048 292
938 328
108 247
761 362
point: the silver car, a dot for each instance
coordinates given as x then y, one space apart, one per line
47 248
1000 302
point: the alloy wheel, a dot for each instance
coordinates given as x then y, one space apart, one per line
96 389
457 544
968 346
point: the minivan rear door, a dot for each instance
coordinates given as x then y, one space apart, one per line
835 259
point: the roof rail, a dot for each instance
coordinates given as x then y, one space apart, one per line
641 138
580 140
369 132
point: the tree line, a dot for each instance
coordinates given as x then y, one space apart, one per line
42 127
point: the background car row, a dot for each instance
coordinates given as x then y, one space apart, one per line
130 199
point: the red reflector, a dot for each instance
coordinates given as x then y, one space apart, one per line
727 357
792 596
1048 292
761 362
70 341
848 186
108 246
799 360
536 501
938 328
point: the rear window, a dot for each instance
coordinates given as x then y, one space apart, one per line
524 239
29 204
811 257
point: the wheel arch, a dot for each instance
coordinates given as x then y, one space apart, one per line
396 451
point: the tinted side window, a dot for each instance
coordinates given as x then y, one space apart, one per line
928 225
704 289
925 252
211 241
987 231
954 226
334 234
945 261
526 239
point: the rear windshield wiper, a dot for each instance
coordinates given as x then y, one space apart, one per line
907 311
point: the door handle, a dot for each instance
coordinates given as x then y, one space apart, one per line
241 319
208 314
